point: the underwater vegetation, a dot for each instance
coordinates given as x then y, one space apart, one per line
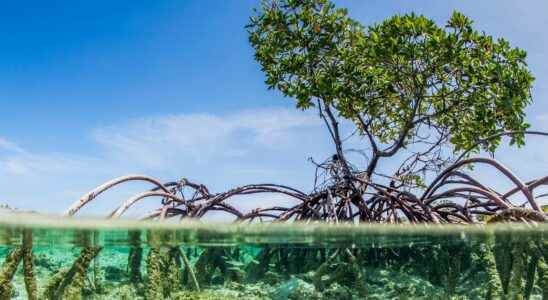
157 264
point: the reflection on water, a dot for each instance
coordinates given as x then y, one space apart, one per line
87 259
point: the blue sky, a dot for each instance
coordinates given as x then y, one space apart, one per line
91 90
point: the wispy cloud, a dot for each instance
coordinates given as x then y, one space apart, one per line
16 161
161 141
8 146
218 150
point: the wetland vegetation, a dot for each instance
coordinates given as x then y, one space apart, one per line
428 99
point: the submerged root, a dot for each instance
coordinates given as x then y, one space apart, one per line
172 270
134 264
68 283
209 261
494 286
542 270
52 285
453 263
530 275
167 266
154 275
503 260
190 271
28 266
135 257
518 263
348 271
257 270
515 285
8 270
11 264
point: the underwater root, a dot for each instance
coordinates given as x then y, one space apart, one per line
134 264
532 266
542 271
68 283
171 264
334 271
135 256
28 266
210 260
514 268
190 271
12 262
8 270
154 275
164 272
494 285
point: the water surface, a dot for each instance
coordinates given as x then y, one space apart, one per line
54 258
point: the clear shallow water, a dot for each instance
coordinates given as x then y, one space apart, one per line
52 258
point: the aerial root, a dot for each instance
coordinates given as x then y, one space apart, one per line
518 214
452 197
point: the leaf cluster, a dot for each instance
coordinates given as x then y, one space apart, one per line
403 81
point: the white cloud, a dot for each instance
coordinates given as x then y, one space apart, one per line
24 163
8 146
221 151
199 138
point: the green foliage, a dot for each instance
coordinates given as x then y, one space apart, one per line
299 43
398 77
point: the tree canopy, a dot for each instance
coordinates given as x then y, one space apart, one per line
406 83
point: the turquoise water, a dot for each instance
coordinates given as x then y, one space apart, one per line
53 258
